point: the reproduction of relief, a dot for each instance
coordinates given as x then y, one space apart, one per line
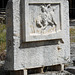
45 22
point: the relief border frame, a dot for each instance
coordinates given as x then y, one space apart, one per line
26 34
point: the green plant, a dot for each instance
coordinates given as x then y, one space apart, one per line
2 37
72 32
72 35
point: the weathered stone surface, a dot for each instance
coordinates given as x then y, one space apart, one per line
55 73
71 69
27 50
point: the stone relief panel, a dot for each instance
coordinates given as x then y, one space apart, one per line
44 19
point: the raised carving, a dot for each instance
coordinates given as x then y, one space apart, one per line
46 17
46 21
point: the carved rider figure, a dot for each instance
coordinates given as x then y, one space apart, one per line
46 18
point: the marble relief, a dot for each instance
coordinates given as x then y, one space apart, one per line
45 21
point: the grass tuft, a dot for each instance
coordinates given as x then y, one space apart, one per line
72 35
2 37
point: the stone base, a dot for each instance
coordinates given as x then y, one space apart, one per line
54 73
46 73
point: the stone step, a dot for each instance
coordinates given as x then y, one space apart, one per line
2 16
2 12
54 73
71 69
72 22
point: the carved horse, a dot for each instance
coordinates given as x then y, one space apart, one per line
46 18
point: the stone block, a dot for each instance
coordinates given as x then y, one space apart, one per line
37 33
